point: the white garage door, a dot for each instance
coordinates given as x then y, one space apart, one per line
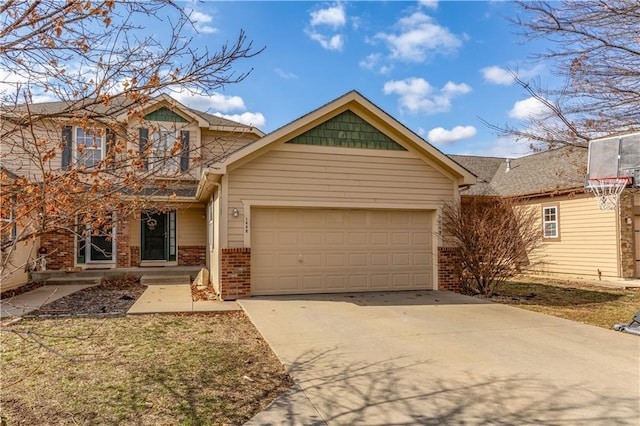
303 250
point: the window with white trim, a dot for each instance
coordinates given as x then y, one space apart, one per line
8 228
164 158
89 147
550 228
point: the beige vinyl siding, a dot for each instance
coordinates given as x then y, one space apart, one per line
18 160
192 227
216 145
14 275
587 240
305 174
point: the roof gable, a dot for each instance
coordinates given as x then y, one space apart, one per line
368 113
165 114
347 130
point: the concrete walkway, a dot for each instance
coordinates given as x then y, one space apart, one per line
176 298
155 299
30 301
431 357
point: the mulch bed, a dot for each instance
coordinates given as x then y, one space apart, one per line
109 298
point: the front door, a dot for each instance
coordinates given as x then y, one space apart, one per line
158 236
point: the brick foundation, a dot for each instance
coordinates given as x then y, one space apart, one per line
627 234
192 255
123 256
449 269
235 273
134 256
60 250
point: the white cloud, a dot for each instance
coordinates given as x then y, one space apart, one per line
418 37
498 75
285 74
530 108
200 21
333 16
441 136
334 42
215 102
431 4
255 119
372 62
417 95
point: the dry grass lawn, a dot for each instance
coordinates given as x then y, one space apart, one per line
589 304
144 370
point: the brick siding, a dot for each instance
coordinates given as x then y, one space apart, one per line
135 256
123 256
192 255
627 234
60 250
235 276
449 269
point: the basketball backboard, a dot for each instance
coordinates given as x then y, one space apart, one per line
613 157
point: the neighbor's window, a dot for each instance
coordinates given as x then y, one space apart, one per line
7 225
89 147
550 222
164 157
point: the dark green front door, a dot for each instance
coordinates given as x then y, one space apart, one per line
154 236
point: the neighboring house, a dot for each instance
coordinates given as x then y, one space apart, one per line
15 259
172 234
344 198
579 239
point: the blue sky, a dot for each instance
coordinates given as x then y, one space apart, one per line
440 68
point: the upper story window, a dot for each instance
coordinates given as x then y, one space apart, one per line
89 147
550 222
165 158
165 152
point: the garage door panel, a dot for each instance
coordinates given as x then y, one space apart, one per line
333 250
358 238
336 282
315 238
379 259
312 282
335 260
357 282
335 238
286 238
401 238
379 238
311 260
357 259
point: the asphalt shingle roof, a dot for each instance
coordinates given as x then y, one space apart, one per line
541 173
117 105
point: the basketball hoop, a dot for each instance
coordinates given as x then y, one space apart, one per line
608 190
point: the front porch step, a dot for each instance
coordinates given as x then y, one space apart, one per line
165 280
67 280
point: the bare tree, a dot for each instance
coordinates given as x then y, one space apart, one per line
594 47
99 64
494 237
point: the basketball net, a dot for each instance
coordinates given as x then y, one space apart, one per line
608 190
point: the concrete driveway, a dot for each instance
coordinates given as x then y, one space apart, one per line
432 357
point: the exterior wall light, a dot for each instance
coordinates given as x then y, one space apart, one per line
235 212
